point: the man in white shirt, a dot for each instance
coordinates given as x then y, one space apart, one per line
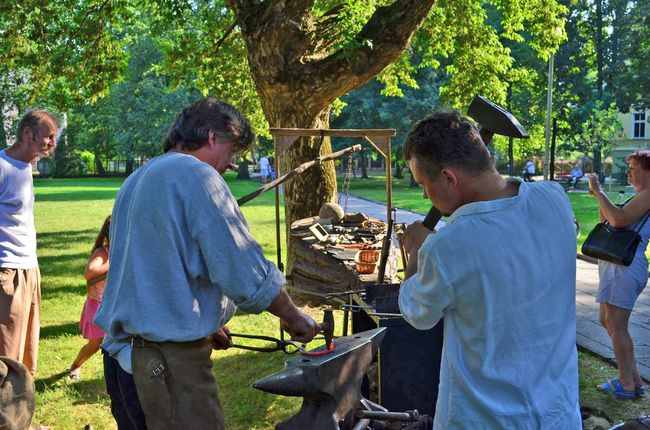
20 278
509 357
264 168
529 171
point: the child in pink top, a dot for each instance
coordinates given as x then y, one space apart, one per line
95 274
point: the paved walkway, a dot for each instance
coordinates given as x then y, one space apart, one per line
590 335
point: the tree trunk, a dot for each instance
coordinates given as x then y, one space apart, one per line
364 164
99 166
599 49
598 164
242 169
3 133
298 77
398 165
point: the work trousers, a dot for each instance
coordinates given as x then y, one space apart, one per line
125 404
175 384
20 315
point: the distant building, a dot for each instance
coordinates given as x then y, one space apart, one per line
635 135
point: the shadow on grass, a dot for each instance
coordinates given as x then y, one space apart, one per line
88 389
76 196
54 331
59 239
43 384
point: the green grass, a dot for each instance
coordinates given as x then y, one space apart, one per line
68 215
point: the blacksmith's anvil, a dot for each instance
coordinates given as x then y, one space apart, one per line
330 384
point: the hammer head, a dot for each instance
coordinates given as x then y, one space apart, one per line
494 120
328 326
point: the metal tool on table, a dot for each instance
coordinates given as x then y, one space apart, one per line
493 119
289 346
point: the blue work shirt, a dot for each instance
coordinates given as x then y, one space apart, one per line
502 273
181 256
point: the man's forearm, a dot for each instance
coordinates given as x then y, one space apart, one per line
283 307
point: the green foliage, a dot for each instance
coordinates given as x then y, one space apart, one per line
599 130
134 118
69 50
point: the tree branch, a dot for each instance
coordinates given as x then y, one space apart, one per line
389 31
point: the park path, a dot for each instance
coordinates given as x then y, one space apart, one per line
589 335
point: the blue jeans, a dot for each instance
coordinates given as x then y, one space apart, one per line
125 404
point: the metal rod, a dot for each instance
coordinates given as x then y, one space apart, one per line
296 171
278 245
408 416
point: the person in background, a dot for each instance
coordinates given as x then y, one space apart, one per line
620 286
264 168
95 274
529 171
20 277
576 175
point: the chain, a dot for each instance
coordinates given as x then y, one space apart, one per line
346 182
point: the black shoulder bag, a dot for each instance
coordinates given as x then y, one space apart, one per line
616 245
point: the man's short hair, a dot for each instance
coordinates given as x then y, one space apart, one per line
33 119
192 126
446 139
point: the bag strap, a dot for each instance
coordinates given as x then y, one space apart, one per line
645 218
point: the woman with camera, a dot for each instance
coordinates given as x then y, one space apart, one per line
619 285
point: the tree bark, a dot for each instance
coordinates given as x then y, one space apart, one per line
599 49
364 164
242 169
297 78
99 166
3 133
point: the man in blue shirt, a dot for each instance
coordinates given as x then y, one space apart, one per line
509 357
182 259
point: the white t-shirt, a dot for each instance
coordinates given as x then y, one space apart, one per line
530 167
264 164
17 231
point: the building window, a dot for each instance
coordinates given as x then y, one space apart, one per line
638 125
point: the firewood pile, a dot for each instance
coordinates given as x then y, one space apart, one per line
331 258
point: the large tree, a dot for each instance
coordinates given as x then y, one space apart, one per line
303 55
291 59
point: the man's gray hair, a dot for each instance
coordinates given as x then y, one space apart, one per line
192 126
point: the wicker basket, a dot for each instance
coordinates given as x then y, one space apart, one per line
367 260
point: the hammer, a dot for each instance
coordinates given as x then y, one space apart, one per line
492 119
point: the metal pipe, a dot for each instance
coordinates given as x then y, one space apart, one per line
408 416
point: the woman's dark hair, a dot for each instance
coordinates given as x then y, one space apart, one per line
642 156
445 138
102 237
192 126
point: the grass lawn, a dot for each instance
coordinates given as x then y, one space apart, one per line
68 215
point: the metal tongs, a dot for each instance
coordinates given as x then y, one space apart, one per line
284 345
291 346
